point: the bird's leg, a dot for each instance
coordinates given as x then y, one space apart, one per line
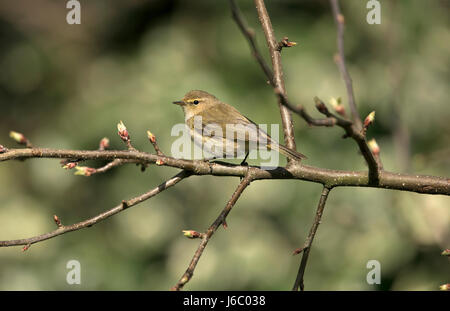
243 163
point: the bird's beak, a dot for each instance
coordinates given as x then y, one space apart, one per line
180 103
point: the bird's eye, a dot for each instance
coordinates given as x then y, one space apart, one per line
195 102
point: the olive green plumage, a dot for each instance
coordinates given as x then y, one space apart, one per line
216 116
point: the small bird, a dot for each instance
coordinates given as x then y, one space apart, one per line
217 117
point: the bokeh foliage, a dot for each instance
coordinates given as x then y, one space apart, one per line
67 86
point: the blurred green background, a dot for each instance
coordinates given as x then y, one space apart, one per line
67 86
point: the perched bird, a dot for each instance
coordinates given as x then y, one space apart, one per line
222 127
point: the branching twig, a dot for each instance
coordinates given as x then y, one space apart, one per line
331 120
359 137
112 164
357 132
307 246
94 220
340 60
212 229
250 36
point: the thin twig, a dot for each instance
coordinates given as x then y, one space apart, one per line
96 219
340 60
113 164
249 34
309 240
212 229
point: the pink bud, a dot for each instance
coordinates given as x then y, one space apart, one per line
341 110
337 105
151 137
70 165
104 144
373 146
3 149
122 131
298 251
369 119
57 221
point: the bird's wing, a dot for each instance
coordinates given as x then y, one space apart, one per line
235 121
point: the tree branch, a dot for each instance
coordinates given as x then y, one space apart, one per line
307 246
245 182
96 219
275 54
326 177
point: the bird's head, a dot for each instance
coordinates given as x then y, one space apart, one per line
194 102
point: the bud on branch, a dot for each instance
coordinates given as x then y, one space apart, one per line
20 139
368 121
57 221
191 234
70 165
152 139
104 144
373 146
85 171
123 132
285 43
336 103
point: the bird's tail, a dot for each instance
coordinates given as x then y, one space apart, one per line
287 152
